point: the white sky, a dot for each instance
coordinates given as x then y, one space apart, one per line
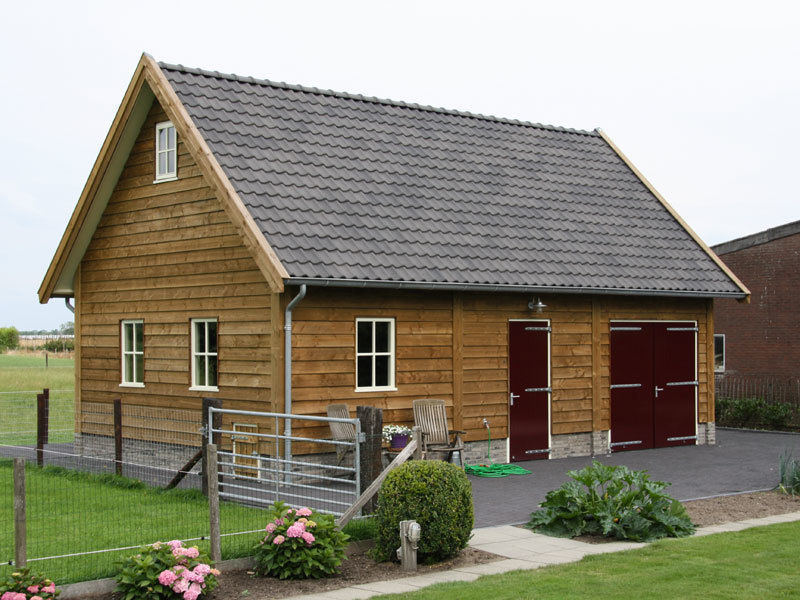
704 97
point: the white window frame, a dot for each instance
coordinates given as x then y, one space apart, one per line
373 353
166 175
720 369
195 323
129 379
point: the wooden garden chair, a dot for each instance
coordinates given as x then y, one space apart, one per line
341 432
430 416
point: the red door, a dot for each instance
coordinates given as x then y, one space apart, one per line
653 385
529 389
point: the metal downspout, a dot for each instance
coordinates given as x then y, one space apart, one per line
287 372
69 306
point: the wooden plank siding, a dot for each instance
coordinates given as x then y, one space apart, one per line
167 253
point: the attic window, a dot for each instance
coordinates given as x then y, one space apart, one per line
166 152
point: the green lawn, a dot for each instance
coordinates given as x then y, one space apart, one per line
22 376
70 512
756 563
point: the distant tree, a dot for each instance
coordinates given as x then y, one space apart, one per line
9 338
67 328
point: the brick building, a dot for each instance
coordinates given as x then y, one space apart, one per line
761 338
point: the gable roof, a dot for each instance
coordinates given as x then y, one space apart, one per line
756 239
349 190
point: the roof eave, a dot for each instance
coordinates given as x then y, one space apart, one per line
491 287
745 292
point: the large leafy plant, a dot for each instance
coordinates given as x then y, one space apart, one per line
166 571
611 501
299 544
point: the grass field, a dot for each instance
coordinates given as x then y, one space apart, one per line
755 563
70 512
22 376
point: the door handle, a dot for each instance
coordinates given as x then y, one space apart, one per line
658 389
512 396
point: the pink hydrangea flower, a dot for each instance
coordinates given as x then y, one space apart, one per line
33 589
308 537
181 585
175 544
50 589
36 598
296 530
167 577
202 569
279 539
304 512
279 521
193 592
271 527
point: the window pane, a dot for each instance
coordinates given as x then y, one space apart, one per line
364 337
162 163
126 337
199 370
200 337
381 336
170 162
719 352
212 336
126 376
171 137
162 139
139 341
139 378
364 371
212 370
381 370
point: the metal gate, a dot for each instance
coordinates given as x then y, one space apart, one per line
653 384
260 463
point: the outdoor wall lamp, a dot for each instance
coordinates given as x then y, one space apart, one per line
536 305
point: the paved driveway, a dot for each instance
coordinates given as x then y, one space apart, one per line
740 461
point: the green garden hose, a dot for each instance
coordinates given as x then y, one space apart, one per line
493 469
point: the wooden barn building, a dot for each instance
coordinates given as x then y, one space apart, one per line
527 274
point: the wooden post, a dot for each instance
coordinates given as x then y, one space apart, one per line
212 482
41 428
409 540
416 434
20 523
208 403
118 436
371 461
45 359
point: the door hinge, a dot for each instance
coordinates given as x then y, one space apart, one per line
619 386
544 389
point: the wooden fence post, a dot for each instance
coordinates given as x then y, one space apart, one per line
20 523
212 482
41 427
208 403
371 461
118 436
416 434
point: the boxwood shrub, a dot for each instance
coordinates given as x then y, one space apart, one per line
435 494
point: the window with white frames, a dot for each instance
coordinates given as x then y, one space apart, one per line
132 345
166 152
374 354
204 354
719 352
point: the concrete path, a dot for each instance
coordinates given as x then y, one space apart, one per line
521 549
741 461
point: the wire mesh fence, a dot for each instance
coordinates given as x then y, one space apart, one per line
132 475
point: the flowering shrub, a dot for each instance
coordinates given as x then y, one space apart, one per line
24 585
299 544
166 571
389 430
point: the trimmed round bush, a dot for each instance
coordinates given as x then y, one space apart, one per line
435 494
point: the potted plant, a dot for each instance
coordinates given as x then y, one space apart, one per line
396 435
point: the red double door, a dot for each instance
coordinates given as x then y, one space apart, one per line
653 384
529 389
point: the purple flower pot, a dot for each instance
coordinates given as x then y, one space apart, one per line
399 440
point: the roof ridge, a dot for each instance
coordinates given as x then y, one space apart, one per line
372 99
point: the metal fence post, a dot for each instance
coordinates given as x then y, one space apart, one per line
20 522
118 436
207 437
213 501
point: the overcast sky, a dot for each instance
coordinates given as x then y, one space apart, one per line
703 97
